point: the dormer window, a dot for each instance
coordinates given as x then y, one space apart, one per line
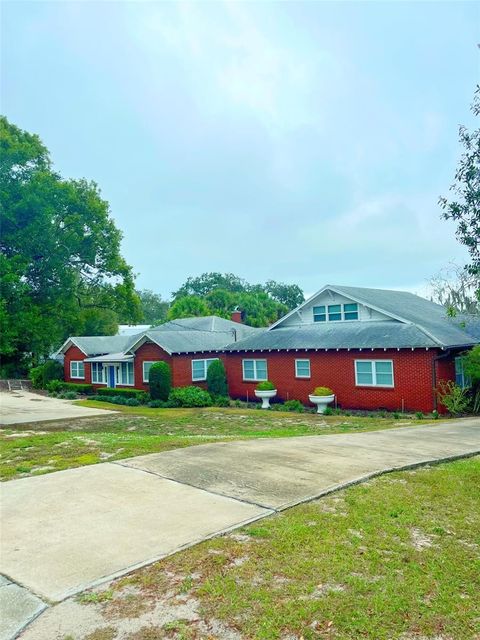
335 312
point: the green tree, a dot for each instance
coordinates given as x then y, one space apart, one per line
201 285
464 207
154 310
217 379
187 307
288 294
60 260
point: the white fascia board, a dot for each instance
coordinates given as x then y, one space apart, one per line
144 339
66 345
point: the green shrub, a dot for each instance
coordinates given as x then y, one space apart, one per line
70 395
322 391
143 397
36 376
266 386
156 404
102 398
328 411
160 380
217 379
45 373
132 402
294 405
453 397
121 400
54 386
79 387
125 393
396 415
221 401
419 415
190 397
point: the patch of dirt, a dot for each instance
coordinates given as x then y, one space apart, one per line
23 434
323 589
239 537
421 540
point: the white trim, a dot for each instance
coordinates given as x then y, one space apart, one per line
374 374
64 347
118 371
103 372
146 337
146 380
256 378
77 362
205 367
309 368
342 312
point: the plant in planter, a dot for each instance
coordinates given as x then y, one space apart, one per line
265 390
321 396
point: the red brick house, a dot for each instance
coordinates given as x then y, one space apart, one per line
375 348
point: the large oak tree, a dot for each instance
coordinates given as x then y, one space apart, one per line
61 267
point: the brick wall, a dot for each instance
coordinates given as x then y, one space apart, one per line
148 352
413 377
182 368
74 353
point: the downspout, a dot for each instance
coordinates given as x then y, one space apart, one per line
447 353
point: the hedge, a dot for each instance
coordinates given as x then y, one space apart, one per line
217 379
190 397
137 394
78 387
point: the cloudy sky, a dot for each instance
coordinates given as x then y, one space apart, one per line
306 142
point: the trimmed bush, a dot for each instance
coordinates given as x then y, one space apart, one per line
294 405
266 385
190 397
70 395
121 400
217 379
86 389
124 393
132 402
156 404
160 380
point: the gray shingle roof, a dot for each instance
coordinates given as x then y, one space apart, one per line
207 323
190 341
99 345
351 335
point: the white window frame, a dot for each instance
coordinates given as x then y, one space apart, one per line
98 364
374 374
205 367
150 362
342 312
77 362
255 378
298 375
119 377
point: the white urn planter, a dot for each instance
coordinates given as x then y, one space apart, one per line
265 397
321 401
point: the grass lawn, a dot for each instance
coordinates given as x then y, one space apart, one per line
395 558
35 448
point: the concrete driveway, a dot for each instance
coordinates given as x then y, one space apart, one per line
69 530
17 407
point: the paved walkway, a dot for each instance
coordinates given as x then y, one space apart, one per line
17 407
66 531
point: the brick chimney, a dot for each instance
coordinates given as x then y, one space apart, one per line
236 316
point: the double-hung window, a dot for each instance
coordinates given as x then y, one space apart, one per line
334 312
200 368
125 374
374 373
302 368
350 311
77 369
146 370
255 370
319 314
461 379
97 373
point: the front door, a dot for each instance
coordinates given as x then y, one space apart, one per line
111 376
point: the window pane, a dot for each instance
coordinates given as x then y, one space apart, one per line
351 315
81 369
303 368
198 369
384 378
261 370
146 370
383 367
364 378
320 309
364 367
334 312
130 372
350 307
